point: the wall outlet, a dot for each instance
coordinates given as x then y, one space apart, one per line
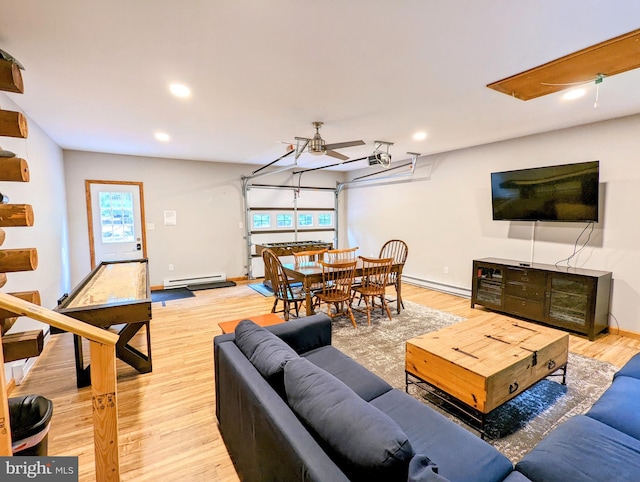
446 270
170 267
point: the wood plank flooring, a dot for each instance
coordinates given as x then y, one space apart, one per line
168 430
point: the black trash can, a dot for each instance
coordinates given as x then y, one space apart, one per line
30 419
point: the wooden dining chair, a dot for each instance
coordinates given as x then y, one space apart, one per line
309 256
373 283
336 255
337 279
398 250
282 289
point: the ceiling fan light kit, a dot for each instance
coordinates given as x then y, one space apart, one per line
318 146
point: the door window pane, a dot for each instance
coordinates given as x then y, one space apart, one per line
116 217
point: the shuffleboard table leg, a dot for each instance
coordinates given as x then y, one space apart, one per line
83 374
129 354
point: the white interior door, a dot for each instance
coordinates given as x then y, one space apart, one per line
116 221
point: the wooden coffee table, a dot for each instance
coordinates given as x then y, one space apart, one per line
477 365
262 320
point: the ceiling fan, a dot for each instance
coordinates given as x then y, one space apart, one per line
318 146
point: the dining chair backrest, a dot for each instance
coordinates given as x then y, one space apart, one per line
375 274
337 279
335 255
398 250
309 256
274 272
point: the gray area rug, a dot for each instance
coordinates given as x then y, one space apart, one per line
515 427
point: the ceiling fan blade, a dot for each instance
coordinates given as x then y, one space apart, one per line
342 145
337 155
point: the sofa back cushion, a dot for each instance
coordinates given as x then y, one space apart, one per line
363 441
630 369
266 352
618 406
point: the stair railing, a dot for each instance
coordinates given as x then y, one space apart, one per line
103 384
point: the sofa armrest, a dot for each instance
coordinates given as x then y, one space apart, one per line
305 334
263 436
302 334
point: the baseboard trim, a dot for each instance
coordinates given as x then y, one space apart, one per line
625 333
437 286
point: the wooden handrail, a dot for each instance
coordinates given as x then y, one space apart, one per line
103 384
85 330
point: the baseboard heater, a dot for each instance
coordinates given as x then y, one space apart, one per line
436 286
182 282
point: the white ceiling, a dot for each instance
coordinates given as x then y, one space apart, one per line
97 72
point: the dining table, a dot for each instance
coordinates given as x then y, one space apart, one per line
310 273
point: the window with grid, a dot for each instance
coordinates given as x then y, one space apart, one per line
325 219
116 217
284 220
305 220
261 221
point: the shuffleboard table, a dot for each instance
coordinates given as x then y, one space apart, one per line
115 293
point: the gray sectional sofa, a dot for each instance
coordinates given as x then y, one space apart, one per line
293 407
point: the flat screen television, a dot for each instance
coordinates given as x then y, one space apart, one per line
568 192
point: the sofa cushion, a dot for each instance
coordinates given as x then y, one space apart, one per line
459 454
422 469
266 352
351 373
362 440
583 449
618 406
630 369
516 476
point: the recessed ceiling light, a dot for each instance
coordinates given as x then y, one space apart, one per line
162 136
420 136
180 90
574 94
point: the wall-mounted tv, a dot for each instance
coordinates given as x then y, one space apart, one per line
567 192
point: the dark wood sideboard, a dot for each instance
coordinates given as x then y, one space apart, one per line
573 299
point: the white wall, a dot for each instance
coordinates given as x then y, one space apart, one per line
444 212
207 197
46 193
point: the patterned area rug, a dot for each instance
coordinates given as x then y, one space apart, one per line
513 428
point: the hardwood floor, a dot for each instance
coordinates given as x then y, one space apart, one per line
167 425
